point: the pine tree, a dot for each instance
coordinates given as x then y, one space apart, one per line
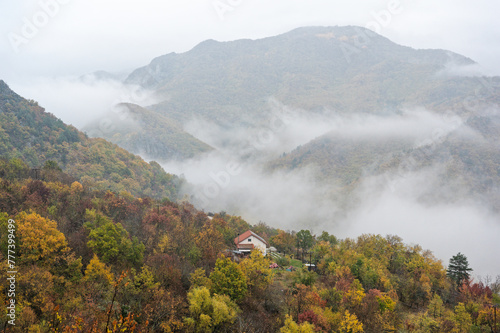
458 269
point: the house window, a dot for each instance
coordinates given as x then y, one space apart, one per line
249 239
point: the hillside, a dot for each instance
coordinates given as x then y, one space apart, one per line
468 160
95 261
147 133
35 136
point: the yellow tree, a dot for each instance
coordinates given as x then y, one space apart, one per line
39 240
436 307
350 323
199 279
292 327
210 242
209 313
97 290
98 272
284 241
463 320
257 271
228 279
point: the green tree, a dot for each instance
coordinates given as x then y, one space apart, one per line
111 242
305 239
51 165
228 279
458 269
304 276
326 237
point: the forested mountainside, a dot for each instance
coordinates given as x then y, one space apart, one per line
29 133
90 260
147 133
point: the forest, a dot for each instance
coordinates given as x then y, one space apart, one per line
94 260
30 133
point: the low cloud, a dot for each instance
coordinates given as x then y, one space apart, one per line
287 200
288 128
417 124
414 204
81 100
470 70
402 207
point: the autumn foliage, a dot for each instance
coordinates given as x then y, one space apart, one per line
91 260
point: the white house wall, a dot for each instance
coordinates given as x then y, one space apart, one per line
257 243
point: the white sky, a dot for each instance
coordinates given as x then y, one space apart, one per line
82 36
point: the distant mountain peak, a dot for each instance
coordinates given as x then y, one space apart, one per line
319 59
347 29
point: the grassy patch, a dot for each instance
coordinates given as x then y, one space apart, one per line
296 263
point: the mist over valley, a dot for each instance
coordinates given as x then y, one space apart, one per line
324 128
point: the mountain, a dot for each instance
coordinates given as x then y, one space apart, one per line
35 136
233 89
147 133
467 161
340 72
318 69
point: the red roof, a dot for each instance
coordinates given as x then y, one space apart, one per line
247 234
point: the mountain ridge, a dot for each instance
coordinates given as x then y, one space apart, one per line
151 135
229 81
37 137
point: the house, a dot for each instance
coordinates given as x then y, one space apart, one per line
248 241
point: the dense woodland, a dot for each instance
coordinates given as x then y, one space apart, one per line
93 260
28 132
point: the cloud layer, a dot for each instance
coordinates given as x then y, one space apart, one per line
80 100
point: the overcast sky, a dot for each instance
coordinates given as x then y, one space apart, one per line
73 37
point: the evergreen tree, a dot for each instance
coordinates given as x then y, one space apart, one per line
458 269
